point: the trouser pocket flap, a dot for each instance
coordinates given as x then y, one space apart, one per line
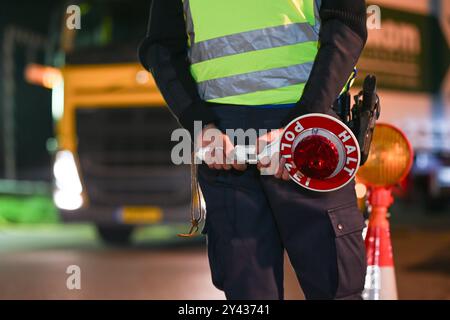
346 219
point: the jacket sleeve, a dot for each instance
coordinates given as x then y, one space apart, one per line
342 38
164 53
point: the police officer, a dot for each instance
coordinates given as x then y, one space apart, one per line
259 64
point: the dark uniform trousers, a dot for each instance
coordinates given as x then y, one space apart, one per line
251 219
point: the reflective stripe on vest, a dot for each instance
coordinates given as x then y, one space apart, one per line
252 52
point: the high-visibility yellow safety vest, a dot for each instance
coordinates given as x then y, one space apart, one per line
252 52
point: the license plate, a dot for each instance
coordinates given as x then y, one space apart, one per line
141 215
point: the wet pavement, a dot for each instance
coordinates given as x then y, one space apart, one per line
34 261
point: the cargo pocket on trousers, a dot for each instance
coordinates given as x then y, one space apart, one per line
348 223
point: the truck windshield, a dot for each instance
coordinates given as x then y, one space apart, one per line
110 31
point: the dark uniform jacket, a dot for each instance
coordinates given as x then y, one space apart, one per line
164 52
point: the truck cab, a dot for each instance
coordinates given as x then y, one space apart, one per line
112 164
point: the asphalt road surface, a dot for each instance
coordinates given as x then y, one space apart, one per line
34 261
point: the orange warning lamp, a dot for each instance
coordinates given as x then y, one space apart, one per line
389 162
390 158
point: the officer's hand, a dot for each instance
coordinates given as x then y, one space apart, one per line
273 165
221 150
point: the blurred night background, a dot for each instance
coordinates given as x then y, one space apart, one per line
85 171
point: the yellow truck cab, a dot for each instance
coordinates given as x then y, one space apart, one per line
112 166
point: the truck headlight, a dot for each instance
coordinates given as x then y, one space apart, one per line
68 191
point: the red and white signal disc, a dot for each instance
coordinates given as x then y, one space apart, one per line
337 134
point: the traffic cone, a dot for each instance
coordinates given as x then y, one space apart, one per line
380 278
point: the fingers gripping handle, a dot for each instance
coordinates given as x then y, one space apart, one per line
243 154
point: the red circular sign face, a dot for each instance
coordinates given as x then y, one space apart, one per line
339 135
